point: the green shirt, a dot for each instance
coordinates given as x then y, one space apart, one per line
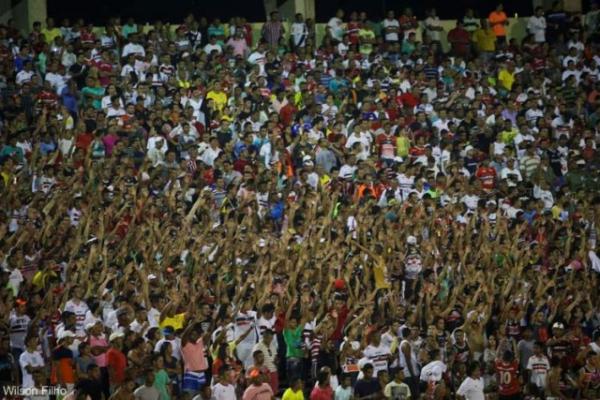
366 35
98 91
9 151
293 342
408 47
161 380
128 30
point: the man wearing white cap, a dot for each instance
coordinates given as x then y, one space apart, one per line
559 346
63 367
413 263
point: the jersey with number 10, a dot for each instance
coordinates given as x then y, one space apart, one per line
508 380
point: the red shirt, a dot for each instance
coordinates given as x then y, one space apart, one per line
84 140
460 40
387 145
287 114
87 37
341 315
319 393
353 28
103 66
487 176
417 151
508 382
409 100
117 362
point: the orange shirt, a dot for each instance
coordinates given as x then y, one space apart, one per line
497 20
63 368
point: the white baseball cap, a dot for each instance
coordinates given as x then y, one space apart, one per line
115 335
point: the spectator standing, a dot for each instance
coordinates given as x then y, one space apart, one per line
273 30
459 40
433 26
536 25
299 32
391 28
498 21
335 26
556 20
470 21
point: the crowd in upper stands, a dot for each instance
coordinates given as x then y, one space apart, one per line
389 210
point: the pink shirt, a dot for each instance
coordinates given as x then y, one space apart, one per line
109 143
99 342
193 356
239 47
319 393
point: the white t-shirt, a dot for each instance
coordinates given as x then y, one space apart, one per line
343 393
57 81
347 171
391 23
433 371
209 48
378 356
24 76
29 359
175 345
471 389
79 310
224 392
337 28
433 22
537 27
471 201
413 359
133 48
18 325
299 32
244 321
539 367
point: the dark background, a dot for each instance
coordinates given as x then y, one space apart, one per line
98 11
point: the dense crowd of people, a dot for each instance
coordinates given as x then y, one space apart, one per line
190 212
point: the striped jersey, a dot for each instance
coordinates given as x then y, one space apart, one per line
18 325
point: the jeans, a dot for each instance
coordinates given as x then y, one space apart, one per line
294 368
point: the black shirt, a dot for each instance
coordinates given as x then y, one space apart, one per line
7 367
90 387
366 387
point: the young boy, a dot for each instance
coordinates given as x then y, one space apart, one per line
397 389
344 390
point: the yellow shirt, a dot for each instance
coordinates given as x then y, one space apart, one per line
556 210
506 78
51 34
6 177
485 39
40 278
220 99
176 322
289 394
402 146
366 36
380 272
508 137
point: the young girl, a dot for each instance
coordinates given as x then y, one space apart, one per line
161 377
171 366
84 360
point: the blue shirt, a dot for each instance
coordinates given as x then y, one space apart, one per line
47 148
